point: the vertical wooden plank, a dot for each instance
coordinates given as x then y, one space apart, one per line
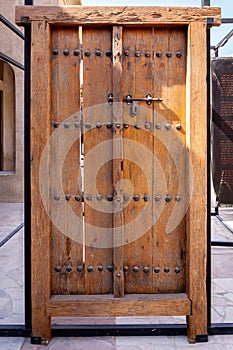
97 137
169 150
197 146
138 164
40 132
117 162
67 251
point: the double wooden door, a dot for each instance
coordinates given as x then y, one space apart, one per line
118 163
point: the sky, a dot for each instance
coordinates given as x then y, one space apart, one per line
217 33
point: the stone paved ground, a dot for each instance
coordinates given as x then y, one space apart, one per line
12 305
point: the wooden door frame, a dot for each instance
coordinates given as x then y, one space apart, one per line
193 304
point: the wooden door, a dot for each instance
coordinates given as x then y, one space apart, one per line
116 128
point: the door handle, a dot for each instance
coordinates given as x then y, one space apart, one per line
129 99
148 99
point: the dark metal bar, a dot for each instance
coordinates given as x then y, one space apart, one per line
222 221
11 26
10 235
118 330
11 60
224 40
208 120
221 244
227 20
220 328
27 177
205 3
28 2
14 331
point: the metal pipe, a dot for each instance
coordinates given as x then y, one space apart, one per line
227 20
10 60
205 3
10 235
14 29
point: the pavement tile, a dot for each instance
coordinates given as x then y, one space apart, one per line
11 343
94 343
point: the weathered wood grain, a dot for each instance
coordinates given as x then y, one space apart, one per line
127 15
130 305
41 225
97 84
197 146
66 251
118 230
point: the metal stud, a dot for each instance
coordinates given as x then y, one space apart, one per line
98 197
66 125
88 197
58 268
110 98
76 52
108 53
168 126
77 125
56 197
109 197
178 198
55 52
77 197
166 269
177 269
146 197
178 126
109 125
110 268
118 199
135 269
136 197
125 197
178 54
90 268
79 268
118 125
66 52
147 125
56 124
126 126
157 197
159 53
98 125
158 126
125 268
118 275
137 126
147 54
87 53
126 53
100 268
88 125
137 53
168 198
169 54
68 268
157 269
98 52
146 269
67 196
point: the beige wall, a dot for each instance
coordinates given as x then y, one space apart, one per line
11 185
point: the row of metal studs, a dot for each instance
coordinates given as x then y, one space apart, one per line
111 198
109 125
108 53
110 268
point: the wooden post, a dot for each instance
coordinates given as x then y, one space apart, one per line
117 162
197 179
41 225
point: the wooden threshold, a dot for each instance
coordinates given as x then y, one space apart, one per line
130 305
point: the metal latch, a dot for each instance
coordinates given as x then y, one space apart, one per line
129 99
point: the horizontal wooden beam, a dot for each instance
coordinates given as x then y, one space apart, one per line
130 305
123 15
